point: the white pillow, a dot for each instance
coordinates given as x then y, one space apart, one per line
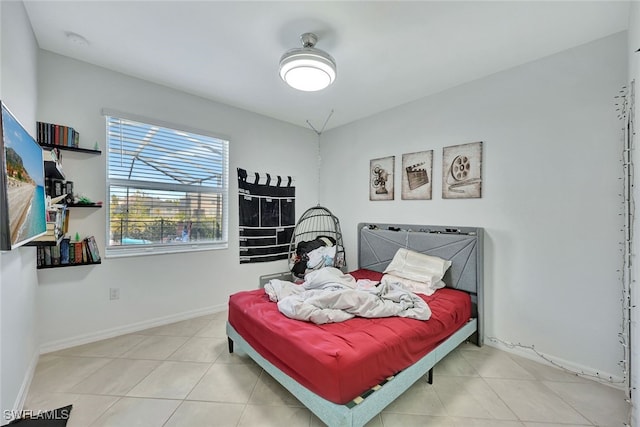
416 266
413 286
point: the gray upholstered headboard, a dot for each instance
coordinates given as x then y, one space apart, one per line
463 246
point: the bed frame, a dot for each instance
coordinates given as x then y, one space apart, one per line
377 244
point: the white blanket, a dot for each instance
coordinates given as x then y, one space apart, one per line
328 296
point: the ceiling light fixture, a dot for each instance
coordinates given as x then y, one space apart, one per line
307 68
76 39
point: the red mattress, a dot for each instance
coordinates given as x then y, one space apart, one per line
339 361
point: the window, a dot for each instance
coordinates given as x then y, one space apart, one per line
167 189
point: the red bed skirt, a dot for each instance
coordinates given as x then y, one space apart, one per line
339 361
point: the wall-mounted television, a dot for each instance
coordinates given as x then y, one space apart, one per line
22 192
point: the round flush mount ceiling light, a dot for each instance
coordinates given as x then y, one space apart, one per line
307 68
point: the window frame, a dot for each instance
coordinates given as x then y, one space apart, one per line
118 251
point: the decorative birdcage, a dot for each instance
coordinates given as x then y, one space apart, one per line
317 223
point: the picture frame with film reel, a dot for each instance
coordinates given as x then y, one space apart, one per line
462 171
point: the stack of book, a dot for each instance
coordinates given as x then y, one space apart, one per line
69 252
53 134
57 224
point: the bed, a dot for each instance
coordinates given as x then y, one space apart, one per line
347 372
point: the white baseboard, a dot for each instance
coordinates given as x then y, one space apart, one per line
127 329
26 383
613 380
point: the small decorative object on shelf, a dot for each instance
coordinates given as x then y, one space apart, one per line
85 202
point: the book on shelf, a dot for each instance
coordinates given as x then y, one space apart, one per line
55 255
85 252
52 234
69 252
72 253
78 252
47 255
56 226
92 246
55 134
64 250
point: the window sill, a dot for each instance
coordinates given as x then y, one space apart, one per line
132 250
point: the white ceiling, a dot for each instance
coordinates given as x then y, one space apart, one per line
388 52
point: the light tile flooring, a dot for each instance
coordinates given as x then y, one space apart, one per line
182 375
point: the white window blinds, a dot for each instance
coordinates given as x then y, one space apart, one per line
168 189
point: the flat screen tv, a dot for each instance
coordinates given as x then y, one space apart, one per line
22 192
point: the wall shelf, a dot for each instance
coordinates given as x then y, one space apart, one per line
52 251
37 242
44 267
83 205
77 149
53 170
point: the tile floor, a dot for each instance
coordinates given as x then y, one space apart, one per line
182 375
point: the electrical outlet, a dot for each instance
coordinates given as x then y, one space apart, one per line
114 293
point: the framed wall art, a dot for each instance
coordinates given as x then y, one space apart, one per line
22 193
417 175
381 173
462 171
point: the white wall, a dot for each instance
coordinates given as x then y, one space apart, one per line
550 200
634 74
74 302
18 315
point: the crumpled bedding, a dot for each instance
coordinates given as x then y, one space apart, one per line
328 296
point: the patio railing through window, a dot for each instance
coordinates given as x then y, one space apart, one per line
163 231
